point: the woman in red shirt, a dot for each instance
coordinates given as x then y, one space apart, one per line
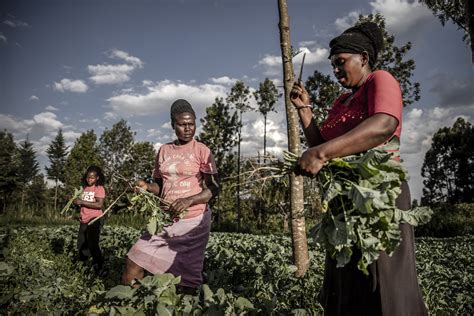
91 202
185 176
366 117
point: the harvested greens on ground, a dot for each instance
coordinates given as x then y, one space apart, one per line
155 208
358 204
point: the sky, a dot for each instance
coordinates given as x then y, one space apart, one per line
80 65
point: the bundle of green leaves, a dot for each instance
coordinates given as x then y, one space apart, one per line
75 195
155 209
358 201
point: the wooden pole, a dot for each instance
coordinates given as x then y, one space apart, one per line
298 227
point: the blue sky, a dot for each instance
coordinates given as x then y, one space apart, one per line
79 65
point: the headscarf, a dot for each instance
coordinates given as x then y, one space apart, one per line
180 106
366 36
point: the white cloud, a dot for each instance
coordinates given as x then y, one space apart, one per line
312 57
51 108
402 16
160 96
347 21
224 80
70 136
111 116
418 128
33 98
41 128
96 121
14 22
119 54
273 65
307 43
415 114
47 119
114 74
70 85
40 123
110 74
270 60
3 38
253 132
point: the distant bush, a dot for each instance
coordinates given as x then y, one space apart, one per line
449 221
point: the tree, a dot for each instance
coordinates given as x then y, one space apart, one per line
239 96
35 197
393 59
218 132
8 168
298 227
459 12
84 153
141 162
115 148
266 97
323 91
28 167
57 153
219 128
448 167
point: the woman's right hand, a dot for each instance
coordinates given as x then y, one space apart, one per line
299 96
141 184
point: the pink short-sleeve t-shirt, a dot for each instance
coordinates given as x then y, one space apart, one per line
89 194
181 168
379 94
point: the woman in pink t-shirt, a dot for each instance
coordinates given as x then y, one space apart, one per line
185 175
366 117
91 202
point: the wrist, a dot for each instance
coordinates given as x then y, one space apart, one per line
308 106
319 154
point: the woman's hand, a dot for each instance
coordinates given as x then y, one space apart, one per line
141 184
311 162
299 96
78 202
180 205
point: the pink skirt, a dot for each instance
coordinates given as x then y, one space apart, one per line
178 250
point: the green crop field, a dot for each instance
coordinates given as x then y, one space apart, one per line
244 274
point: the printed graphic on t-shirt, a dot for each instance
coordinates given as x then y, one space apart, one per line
88 196
177 169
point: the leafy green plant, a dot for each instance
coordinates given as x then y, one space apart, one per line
358 205
155 208
157 295
76 194
240 269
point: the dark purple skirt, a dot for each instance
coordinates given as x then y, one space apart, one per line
391 288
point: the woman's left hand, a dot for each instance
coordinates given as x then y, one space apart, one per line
310 162
78 202
180 205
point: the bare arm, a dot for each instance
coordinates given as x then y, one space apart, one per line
300 99
368 134
99 202
209 190
154 187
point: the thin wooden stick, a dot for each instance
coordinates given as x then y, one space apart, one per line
108 208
